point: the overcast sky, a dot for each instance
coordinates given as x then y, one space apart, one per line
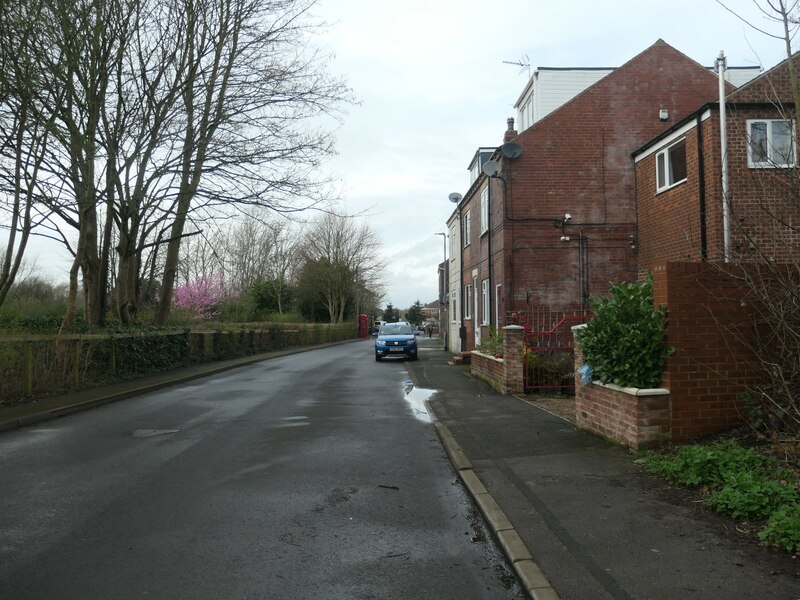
433 87
431 77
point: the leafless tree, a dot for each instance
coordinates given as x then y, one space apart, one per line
159 114
248 98
256 246
342 259
23 139
768 252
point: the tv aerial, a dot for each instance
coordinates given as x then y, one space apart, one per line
524 63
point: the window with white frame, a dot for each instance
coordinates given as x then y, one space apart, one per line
468 302
671 166
485 210
771 143
467 228
485 316
453 307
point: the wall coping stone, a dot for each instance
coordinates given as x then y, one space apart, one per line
634 391
489 356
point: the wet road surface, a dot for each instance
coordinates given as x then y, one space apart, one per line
317 475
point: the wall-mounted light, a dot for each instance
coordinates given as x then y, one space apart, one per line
663 114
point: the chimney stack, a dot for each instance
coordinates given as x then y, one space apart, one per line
510 133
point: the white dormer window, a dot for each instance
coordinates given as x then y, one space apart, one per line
771 143
671 166
475 172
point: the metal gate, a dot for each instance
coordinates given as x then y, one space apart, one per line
549 361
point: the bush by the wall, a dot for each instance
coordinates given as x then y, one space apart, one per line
625 342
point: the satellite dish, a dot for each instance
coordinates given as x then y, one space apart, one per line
511 150
455 197
491 168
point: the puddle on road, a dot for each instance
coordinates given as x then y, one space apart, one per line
416 398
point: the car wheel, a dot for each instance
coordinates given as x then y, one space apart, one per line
414 356
378 357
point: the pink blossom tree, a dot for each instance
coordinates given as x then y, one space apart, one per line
201 296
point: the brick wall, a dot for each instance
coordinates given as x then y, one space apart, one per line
708 324
489 369
503 374
635 418
578 160
765 202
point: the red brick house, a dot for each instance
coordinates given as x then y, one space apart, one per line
557 218
679 180
689 243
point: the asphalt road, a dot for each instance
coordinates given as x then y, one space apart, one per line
315 475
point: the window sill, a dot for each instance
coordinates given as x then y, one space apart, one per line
769 166
669 187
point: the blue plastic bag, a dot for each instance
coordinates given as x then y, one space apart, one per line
586 374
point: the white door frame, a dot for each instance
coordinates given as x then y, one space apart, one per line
476 315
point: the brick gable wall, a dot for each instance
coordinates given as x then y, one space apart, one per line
765 203
578 160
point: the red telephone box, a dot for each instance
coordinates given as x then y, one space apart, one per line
363 326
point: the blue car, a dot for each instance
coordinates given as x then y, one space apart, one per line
396 339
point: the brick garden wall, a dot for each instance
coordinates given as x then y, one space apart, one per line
633 417
489 369
503 374
708 322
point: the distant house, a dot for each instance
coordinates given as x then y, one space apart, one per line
453 293
552 219
431 311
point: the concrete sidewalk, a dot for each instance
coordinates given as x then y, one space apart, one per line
578 518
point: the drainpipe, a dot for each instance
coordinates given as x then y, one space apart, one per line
702 188
723 134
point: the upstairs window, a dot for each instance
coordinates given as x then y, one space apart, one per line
671 166
467 228
770 143
485 210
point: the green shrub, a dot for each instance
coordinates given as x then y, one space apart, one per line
624 342
783 528
492 344
713 465
743 484
747 495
